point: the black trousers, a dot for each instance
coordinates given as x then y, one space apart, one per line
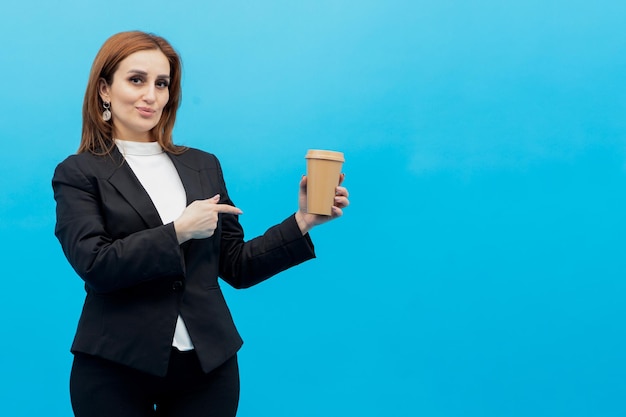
101 388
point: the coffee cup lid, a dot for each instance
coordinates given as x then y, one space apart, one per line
323 154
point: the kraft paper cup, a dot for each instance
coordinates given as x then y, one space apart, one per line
322 171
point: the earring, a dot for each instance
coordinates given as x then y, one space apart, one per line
106 114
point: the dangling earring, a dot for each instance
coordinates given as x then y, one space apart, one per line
106 114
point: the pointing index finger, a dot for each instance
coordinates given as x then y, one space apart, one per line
227 208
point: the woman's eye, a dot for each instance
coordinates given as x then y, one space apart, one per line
162 84
135 80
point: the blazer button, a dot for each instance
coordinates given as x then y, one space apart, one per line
177 286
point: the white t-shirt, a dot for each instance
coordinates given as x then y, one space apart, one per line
159 178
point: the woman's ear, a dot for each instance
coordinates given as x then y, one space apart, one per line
103 89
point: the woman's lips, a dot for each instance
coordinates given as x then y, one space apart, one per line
145 111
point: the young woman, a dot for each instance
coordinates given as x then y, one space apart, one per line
149 226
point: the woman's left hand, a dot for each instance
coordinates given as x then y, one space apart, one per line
306 221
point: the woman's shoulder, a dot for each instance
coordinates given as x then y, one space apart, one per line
87 164
83 158
197 158
88 159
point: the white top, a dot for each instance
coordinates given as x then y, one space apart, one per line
159 178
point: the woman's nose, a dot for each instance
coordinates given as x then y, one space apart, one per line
149 94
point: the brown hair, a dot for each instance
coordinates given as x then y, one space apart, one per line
97 134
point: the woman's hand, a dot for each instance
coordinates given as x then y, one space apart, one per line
306 221
199 219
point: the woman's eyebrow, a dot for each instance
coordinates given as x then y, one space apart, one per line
142 72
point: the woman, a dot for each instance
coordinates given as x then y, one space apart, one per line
149 227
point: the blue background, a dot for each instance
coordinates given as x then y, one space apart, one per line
480 268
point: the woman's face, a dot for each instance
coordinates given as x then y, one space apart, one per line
138 93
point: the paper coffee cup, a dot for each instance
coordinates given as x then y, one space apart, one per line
322 171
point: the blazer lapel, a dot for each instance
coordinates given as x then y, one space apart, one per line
124 180
190 177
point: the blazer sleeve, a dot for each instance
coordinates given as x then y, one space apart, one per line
247 263
107 263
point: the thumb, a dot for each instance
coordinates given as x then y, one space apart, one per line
215 199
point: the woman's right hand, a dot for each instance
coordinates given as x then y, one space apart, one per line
199 219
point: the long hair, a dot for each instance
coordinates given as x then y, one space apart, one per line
97 135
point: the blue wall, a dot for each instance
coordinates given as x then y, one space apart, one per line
480 268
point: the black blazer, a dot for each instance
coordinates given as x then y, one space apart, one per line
138 278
